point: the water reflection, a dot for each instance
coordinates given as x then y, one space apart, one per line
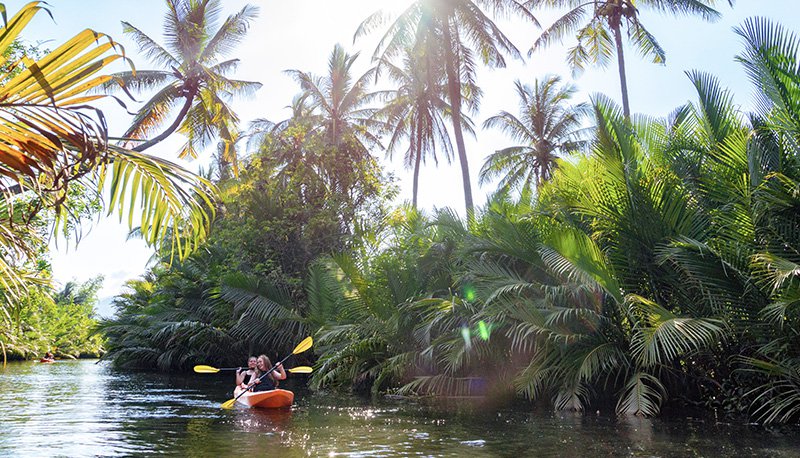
78 408
264 421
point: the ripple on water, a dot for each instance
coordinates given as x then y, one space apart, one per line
474 443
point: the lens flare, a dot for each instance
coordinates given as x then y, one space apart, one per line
466 335
469 293
483 330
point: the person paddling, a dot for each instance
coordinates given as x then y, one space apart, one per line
245 376
268 382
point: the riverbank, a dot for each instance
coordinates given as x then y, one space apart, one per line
16 357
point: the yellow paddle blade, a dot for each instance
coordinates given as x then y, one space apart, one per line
300 370
303 346
205 369
228 404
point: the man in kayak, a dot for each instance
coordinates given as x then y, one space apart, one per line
245 376
268 382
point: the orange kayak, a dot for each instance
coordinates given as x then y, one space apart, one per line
45 360
273 399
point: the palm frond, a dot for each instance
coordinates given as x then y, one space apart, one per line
177 207
643 395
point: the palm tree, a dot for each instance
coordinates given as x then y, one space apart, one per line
193 72
370 311
339 100
338 133
283 146
443 30
601 37
546 127
292 129
415 110
770 159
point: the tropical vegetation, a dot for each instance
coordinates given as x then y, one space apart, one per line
652 267
56 159
641 264
62 322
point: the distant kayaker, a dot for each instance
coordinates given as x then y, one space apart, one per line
49 355
268 382
245 376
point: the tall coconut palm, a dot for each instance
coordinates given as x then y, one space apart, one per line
416 111
445 29
193 71
547 126
339 133
339 99
601 37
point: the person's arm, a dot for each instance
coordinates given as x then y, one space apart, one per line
239 376
279 373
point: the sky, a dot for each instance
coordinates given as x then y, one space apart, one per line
300 34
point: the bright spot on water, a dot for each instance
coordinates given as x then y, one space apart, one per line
475 443
362 414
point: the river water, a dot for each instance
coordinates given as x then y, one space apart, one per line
79 408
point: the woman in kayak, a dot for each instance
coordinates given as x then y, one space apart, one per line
268 382
245 376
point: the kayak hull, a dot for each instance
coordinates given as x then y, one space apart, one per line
273 399
44 360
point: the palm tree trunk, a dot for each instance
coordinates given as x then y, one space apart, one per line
170 129
417 159
454 90
623 81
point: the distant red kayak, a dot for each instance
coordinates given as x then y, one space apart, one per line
45 360
273 399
